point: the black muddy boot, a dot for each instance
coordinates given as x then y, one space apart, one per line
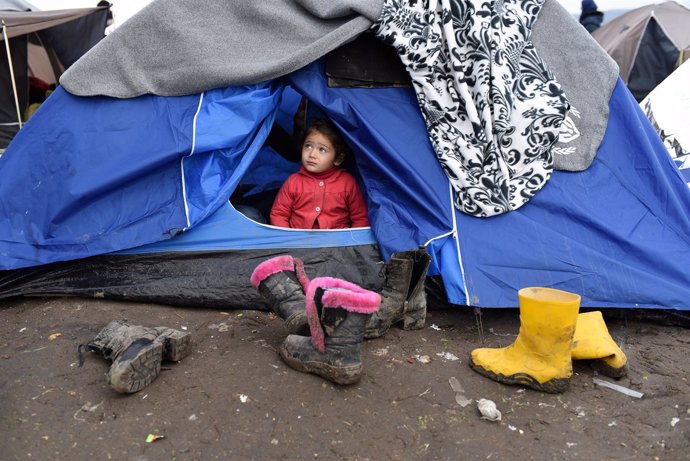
403 297
282 282
337 312
137 352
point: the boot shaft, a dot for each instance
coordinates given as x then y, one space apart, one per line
547 319
117 336
282 282
403 297
338 310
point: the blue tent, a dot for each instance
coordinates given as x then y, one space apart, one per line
145 182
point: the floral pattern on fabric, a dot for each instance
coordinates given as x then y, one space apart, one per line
492 109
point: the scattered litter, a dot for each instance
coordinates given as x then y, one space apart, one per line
513 428
184 328
193 418
410 359
153 437
221 327
34 350
423 358
674 421
381 352
488 410
613 423
435 327
22 330
146 395
42 394
570 444
491 330
54 336
244 398
448 356
423 421
87 407
240 315
616 387
459 392
274 441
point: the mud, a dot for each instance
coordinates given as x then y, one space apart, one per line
233 397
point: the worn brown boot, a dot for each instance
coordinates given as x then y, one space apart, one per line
403 297
137 352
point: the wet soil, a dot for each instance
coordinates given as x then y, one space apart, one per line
233 397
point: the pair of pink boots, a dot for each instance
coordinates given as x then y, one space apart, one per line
333 312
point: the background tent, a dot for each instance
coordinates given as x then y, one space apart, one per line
648 43
668 108
42 45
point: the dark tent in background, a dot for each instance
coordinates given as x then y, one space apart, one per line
42 45
648 44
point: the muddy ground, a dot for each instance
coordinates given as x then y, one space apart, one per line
233 398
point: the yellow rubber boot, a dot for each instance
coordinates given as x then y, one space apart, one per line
540 357
592 341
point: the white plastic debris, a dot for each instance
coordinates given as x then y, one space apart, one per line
448 356
381 352
616 387
488 410
459 392
674 421
243 398
435 327
423 358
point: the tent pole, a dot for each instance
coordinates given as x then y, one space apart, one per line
14 83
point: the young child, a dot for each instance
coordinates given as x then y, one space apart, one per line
320 195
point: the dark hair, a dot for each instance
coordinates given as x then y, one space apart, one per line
328 129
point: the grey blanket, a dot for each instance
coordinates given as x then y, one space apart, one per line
178 47
587 75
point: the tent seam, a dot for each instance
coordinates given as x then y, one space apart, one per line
457 246
184 184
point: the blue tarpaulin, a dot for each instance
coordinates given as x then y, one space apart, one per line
88 176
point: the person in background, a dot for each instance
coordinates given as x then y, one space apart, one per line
321 195
590 17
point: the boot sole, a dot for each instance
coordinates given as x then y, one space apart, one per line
136 367
339 375
554 386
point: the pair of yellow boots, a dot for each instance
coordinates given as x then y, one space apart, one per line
552 335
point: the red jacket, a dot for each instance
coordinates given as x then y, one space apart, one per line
328 200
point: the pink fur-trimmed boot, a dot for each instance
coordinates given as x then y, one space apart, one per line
282 282
337 312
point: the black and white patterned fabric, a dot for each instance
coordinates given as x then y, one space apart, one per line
492 108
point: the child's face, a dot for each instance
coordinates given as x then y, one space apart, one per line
318 153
